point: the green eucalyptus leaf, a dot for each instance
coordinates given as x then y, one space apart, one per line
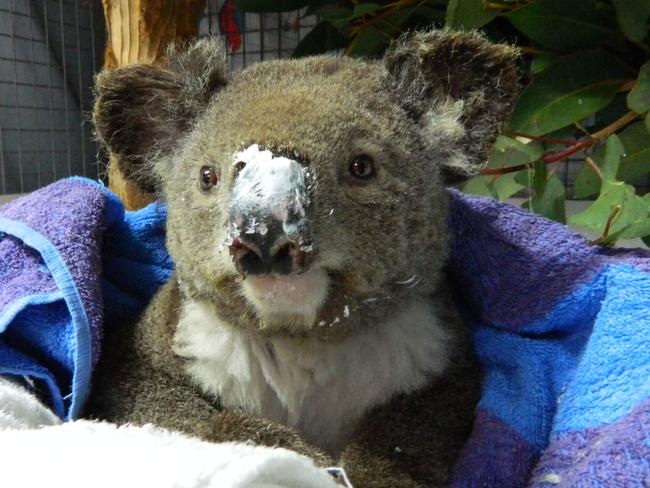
540 177
549 200
633 219
507 151
261 6
611 238
504 153
428 14
362 9
506 186
568 91
478 186
633 16
638 100
541 61
565 26
322 38
548 193
525 178
635 162
339 16
612 112
333 12
468 14
501 187
587 182
596 215
392 25
638 228
370 42
614 151
568 132
394 21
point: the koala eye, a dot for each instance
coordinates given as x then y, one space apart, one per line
362 168
208 178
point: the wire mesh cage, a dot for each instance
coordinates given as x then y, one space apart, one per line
255 37
50 51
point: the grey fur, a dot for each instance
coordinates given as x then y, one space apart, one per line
427 113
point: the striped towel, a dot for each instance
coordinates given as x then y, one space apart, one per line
562 329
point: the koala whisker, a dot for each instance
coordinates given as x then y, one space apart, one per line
376 299
411 282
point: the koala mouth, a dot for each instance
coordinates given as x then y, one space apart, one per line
282 280
295 294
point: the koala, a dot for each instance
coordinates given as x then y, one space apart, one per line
307 219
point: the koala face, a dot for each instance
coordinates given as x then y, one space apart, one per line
307 196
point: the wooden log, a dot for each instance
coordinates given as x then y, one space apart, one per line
138 31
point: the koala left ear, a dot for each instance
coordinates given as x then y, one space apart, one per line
142 110
442 74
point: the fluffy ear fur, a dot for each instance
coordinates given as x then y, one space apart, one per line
442 73
141 110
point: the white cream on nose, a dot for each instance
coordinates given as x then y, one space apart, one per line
269 186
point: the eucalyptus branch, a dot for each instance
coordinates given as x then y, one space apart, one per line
547 159
616 125
500 6
627 86
554 157
616 211
555 140
559 156
391 9
532 50
592 164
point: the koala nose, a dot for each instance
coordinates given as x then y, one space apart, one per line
269 225
281 257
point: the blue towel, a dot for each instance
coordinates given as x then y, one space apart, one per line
562 328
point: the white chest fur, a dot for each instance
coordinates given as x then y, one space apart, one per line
321 389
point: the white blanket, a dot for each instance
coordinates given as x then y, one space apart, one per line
37 450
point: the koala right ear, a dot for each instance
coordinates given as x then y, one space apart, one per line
141 110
